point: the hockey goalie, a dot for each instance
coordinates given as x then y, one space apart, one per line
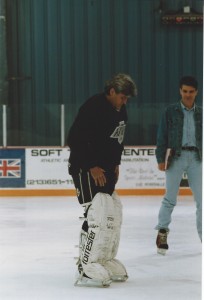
95 140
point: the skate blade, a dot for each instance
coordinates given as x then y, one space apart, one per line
119 278
87 282
161 251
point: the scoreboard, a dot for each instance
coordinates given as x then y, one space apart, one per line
182 19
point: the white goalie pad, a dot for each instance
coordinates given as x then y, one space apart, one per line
99 246
100 219
117 226
116 270
118 208
99 276
82 239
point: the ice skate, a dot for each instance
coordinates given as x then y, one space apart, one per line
89 282
161 242
101 279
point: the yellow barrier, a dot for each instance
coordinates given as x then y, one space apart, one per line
121 192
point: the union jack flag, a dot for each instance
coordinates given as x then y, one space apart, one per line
10 168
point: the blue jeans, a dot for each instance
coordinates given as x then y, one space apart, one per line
188 162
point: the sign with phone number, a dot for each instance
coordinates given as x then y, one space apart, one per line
47 168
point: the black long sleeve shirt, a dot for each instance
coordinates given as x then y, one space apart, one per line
96 136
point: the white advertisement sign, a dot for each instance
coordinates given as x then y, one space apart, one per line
139 169
48 168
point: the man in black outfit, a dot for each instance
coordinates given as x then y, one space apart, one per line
96 144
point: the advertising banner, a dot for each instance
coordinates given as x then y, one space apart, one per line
46 168
12 168
139 169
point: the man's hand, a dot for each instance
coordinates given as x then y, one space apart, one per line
98 175
161 167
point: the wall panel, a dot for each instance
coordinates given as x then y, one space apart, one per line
66 49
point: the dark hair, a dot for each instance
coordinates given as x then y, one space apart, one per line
188 80
122 83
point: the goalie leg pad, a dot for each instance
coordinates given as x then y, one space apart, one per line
82 239
116 270
117 226
100 219
115 267
101 278
118 208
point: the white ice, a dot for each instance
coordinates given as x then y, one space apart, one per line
37 250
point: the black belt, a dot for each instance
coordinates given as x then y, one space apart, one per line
190 148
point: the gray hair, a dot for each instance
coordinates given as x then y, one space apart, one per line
122 83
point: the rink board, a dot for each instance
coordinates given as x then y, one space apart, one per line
43 171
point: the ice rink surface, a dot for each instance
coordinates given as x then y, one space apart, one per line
37 250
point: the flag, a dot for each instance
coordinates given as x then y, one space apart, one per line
10 168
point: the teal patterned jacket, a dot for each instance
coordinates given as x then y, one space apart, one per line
170 131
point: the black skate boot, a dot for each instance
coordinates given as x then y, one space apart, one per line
161 241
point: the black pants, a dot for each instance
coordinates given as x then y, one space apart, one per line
86 188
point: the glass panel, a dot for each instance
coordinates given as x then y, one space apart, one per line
33 128
1 123
42 127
